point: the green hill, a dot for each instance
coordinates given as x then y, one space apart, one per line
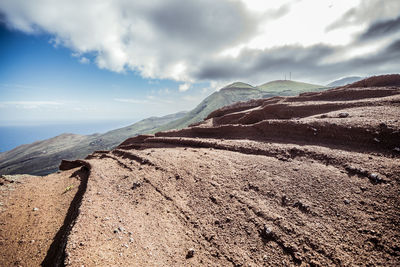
288 88
239 91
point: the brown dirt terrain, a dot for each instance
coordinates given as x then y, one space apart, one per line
312 180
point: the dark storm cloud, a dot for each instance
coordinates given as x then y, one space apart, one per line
302 62
382 28
208 23
368 11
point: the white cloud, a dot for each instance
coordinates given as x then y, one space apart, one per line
31 104
175 39
131 100
84 60
184 87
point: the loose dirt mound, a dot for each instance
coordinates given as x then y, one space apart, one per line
299 181
378 81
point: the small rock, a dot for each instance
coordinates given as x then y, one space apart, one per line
136 185
267 232
125 245
265 258
343 115
190 253
131 240
375 178
285 200
377 140
121 229
346 201
362 188
35 209
81 244
396 149
115 231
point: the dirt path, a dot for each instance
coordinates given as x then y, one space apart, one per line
33 211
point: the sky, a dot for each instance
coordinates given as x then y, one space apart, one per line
87 60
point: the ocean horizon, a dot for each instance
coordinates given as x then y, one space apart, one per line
12 136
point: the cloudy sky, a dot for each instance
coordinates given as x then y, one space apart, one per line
125 59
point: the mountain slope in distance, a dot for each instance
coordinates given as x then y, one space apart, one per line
345 81
236 92
43 157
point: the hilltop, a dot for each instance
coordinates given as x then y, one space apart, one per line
310 180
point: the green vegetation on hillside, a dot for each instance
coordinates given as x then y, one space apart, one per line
239 91
288 88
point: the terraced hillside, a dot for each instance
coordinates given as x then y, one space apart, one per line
312 180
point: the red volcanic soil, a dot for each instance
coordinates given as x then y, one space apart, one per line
312 180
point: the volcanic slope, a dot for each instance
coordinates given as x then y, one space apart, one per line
311 180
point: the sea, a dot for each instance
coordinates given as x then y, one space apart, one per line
12 136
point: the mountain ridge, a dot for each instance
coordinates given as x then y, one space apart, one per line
48 154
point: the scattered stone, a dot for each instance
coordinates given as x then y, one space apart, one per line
136 185
285 200
81 244
190 253
301 206
35 209
377 140
265 258
125 245
362 188
346 201
351 169
131 240
343 115
115 231
267 232
396 149
121 229
375 178
228 219
296 169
